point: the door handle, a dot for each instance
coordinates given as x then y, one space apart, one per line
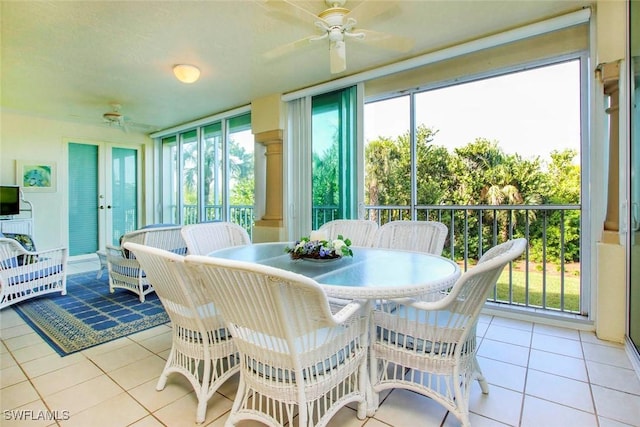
108 206
101 207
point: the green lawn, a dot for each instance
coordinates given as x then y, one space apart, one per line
552 295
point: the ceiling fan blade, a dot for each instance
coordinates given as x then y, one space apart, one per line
290 8
337 57
370 9
385 40
289 47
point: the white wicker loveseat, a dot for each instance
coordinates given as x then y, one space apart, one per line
125 271
26 274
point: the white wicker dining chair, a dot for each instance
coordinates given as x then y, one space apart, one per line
206 237
430 347
27 274
124 269
419 236
294 353
201 349
360 231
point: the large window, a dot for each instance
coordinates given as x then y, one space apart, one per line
492 158
509 139
208 173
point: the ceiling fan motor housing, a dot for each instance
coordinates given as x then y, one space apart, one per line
112 116
334 16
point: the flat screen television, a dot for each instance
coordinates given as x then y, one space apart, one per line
9 200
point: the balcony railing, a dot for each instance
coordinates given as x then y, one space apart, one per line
239 214
547 276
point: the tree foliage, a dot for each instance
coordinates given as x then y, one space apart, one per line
481 173
325 177
241 176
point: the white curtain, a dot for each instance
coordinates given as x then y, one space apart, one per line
298 173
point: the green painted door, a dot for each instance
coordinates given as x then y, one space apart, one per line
83 203
104 195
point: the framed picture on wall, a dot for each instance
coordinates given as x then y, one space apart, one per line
36 176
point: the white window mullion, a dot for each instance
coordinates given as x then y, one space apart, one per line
226 211
200 188
414 157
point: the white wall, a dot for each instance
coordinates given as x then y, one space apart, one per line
25 137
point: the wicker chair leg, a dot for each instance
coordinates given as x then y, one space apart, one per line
162 381
201 411
365 384
373 398
302 418
238 402
202 392
484 386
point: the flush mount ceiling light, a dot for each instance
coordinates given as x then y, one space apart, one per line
186 73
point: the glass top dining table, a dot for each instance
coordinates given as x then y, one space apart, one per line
372 273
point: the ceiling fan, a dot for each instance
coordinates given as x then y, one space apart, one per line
115 117
338 24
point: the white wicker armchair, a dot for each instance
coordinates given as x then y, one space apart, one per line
419 236
294 353
360 231
202 349
27 274
430 347
124 269
206 237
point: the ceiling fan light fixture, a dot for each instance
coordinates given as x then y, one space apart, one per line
186 73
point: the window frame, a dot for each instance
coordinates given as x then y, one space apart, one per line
583 57
174 175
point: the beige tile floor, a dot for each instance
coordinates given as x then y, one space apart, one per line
540 376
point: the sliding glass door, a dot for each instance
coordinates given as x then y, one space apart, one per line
634 280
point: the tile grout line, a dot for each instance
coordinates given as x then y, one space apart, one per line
526 376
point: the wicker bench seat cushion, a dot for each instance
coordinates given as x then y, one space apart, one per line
35 275
425 344
317 369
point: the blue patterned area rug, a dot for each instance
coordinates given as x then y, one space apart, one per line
89 315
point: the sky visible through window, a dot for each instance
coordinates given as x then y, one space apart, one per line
530 112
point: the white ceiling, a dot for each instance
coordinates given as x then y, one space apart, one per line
71 60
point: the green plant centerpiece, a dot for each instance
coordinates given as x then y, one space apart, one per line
318 247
